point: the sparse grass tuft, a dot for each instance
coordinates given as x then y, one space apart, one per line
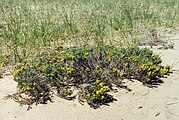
27 27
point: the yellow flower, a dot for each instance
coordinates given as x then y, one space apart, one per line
164 70
27 88
20 90
62 59
23 67
80 91
106 88
126 64
97 81
56 51
69 70
62 68
114 69
97 67
87 69
156 68
88 95
148 79
16 72
109 52
101 84
121 75
69 92
70 55
149 73
134 58
102 97
101 91
98 92
66 64
143 67
42 68
51 74
122 55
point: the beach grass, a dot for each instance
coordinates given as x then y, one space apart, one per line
28 27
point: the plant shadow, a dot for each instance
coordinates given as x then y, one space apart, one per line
154 83
107 100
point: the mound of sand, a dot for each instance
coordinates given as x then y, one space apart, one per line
142 103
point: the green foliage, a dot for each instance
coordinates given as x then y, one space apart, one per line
95 94
91 70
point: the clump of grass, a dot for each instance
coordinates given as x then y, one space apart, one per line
91 70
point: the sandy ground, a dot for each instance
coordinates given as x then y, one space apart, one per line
142 103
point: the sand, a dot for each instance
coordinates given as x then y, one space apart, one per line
142 103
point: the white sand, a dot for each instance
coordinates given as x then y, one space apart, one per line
142 103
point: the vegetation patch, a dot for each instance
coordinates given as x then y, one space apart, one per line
90 71
27 27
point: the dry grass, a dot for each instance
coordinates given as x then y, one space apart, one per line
29 27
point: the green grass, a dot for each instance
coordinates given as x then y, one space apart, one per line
28 27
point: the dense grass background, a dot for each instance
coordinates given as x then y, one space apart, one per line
28 27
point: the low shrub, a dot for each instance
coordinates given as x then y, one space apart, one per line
92 71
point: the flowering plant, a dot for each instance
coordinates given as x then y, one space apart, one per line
90 70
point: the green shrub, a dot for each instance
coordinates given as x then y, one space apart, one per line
95 94
91 70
